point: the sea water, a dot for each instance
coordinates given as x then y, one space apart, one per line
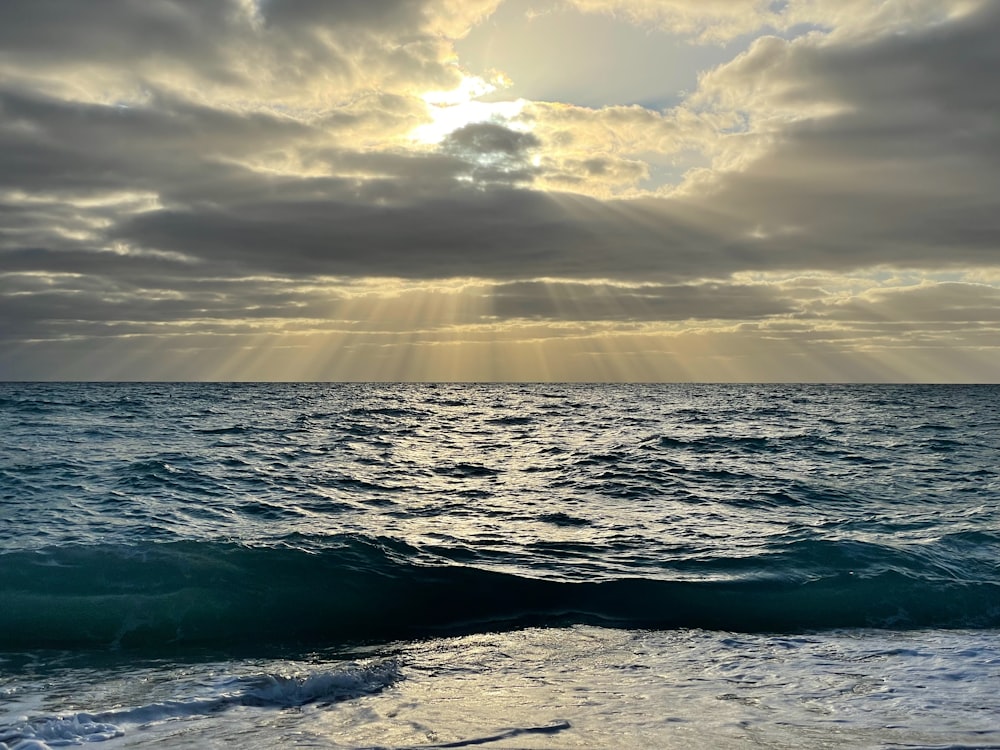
505 566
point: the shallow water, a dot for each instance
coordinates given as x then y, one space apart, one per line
539 688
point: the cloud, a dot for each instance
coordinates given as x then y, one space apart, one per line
173 167
950 304
900 164
286 53
900 167
497 153
593 302
53 145
486 139
55 33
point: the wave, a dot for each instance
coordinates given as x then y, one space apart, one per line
366 589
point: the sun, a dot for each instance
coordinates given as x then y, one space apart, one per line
463 105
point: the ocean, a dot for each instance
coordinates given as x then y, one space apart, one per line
499 565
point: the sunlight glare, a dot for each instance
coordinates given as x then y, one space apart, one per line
455 108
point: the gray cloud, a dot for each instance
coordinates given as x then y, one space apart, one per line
49 33
874 185
52 146
945 304
336 227
159 209
318 14
281 50
595 302
904 174
490 139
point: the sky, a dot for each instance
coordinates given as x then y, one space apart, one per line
480 190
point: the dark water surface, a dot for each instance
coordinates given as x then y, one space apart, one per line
193 563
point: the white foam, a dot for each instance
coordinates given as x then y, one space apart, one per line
39 734
261 691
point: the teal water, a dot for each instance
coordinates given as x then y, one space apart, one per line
192 563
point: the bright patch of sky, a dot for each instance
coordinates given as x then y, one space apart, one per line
557 53
451 110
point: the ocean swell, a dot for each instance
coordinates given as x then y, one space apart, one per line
365 590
